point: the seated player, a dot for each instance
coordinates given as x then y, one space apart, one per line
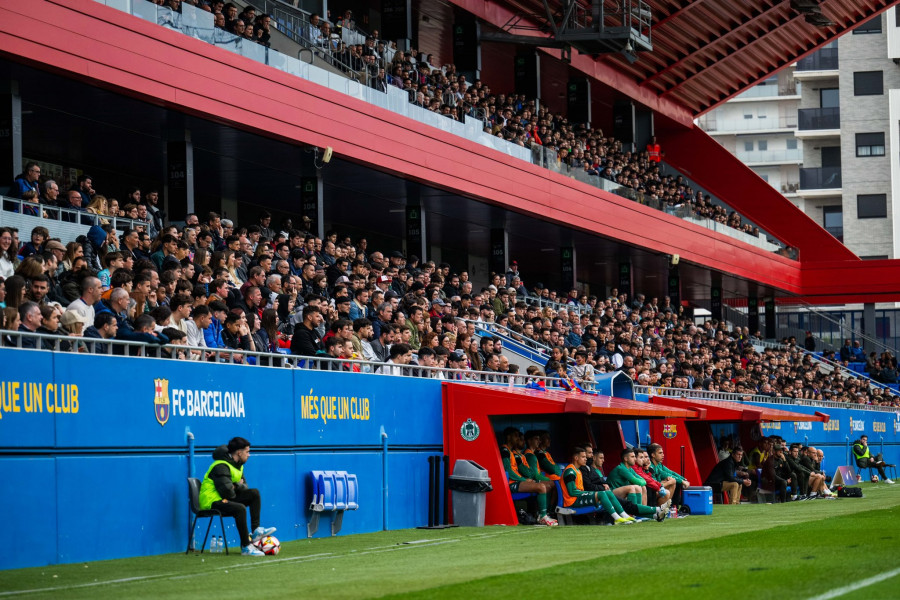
546 462
728 476
594 481
673 481
532 446
657 494
520 477
624 478
575 496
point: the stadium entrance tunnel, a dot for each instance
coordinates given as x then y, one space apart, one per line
476 415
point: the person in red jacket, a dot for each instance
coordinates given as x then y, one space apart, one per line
654 150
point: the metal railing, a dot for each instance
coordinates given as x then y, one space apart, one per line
70 216
133 349
748 398
812 119
825 59
820 178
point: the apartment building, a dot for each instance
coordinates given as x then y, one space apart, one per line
821 132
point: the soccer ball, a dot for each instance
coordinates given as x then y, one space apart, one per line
269 545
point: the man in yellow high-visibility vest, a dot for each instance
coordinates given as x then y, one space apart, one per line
225 490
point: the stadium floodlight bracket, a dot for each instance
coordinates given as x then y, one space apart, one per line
598 29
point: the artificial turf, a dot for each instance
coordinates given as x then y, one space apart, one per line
796 551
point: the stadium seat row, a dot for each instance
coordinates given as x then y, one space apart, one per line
332 491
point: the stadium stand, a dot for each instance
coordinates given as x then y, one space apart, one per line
521 125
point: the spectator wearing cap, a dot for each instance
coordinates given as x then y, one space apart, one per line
383 283
513 271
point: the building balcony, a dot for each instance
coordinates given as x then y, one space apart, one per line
791 91
714 126
818 122
820 181
820 65
771 157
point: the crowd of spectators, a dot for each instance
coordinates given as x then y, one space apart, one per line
254 288
513 117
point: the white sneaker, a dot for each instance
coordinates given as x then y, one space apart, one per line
546 520
888 481
261 532
251 550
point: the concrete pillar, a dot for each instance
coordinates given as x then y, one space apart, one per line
11 128
179 189
868 327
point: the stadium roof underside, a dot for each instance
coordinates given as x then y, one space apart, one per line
704 51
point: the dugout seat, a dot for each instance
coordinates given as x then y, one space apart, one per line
194 498
564 514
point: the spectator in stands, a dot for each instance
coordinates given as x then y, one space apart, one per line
519 475
574 494
729 476
9 260
39 237
104 327
864 459
91 292
306 340
29 322
27 181
224 488
201 318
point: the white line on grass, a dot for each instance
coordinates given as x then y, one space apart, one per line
242 566
841 591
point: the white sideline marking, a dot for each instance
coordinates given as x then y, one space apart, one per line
857 586
247 565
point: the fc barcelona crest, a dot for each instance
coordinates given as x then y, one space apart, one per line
161 400
670 430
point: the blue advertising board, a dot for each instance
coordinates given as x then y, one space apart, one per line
117 426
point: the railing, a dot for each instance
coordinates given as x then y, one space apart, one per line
776 156
715 125
747 398
769 91
825 59
68 216
251 359
812 119
820 178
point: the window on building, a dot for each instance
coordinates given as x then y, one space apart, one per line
868 83
873 25
870 144
829 98
748 146
875 257
748 114
762 145
833 221
871 206
762 112
791 143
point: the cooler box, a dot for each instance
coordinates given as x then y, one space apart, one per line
698 498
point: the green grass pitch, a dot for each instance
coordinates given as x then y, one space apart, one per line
794 551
